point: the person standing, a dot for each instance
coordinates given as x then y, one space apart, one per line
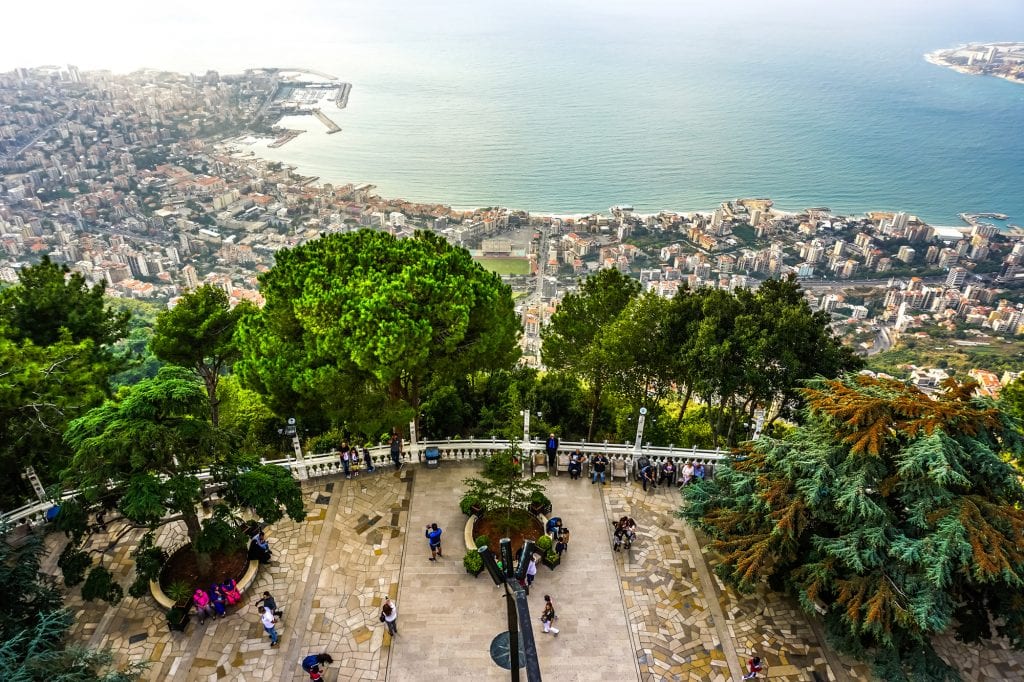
434 540
548 616
269 602
396 450
597 467
552 449
346 463
269 621
647 476
367 459
389 614
531 573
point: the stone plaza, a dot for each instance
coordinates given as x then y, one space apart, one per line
656 612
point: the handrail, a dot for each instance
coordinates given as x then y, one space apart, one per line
329 464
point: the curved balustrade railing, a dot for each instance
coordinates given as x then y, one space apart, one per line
621 458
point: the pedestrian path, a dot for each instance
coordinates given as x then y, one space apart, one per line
447 618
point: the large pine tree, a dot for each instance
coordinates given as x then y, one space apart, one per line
898 513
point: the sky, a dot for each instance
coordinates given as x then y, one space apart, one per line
231 35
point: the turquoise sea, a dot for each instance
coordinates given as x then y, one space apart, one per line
574 106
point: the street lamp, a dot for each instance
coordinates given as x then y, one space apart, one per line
640 430
290 430
517 606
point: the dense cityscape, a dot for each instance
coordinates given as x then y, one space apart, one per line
144 182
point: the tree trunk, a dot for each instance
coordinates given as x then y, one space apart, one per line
594 408
194 528
210 377
682 408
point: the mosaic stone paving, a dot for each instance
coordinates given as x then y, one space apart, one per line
331 572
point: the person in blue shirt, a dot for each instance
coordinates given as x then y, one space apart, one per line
552 449
434 540
316 662
554 525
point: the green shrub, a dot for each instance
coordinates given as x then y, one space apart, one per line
179 590
540 499
544 543
73 563
466 502
482 541
101 585
473 562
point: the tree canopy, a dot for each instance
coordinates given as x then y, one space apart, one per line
42 388
894 511
367 321
34 625
48 299
146 450
199 333
576 341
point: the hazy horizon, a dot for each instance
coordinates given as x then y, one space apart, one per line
573 106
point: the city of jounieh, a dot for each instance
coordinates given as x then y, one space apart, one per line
700 325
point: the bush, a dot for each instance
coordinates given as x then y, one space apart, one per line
101 585
541 500
149 559
179 590
482 541
466 502
544 543
73 563
473 562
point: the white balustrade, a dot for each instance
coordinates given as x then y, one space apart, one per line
329 463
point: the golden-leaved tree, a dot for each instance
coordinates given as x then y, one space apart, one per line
897 512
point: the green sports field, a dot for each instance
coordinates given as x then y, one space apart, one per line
506 266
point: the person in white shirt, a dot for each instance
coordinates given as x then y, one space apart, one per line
389 612
268 620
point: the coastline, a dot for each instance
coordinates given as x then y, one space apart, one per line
985 66
237 146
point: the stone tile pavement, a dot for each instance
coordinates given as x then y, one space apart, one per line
447 618
658 613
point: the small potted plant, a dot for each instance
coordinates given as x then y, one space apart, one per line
482 541
544 544
539 503
552 559
471 506
177 615
473 562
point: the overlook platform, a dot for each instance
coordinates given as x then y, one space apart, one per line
657 613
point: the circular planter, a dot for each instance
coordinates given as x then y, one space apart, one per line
244 582
471 539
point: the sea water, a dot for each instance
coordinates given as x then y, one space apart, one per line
573 106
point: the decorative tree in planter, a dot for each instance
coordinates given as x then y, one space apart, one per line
146 450
503 490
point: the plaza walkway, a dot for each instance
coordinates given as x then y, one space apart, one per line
657 613
447 618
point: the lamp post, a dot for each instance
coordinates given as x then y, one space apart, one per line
517 607
639 431
292 431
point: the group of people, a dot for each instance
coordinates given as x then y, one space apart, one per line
624 534
353 457
350 459
559 534
651 474
214 602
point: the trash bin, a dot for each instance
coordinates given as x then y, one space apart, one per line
433 457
